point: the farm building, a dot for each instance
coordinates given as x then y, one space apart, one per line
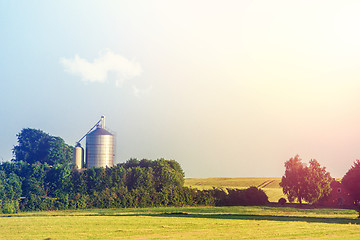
339 196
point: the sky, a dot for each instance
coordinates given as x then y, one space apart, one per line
226 88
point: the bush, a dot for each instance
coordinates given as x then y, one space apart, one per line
245 197
282 201
10 206
255 196
135 183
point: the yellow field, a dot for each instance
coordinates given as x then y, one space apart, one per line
269 185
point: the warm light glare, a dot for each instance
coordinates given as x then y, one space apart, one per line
226 88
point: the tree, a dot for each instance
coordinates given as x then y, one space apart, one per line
38 146
293 182
318 182
167 173
10 192
310 183
33 146
351 181
34 180
58 179
59 152
10 186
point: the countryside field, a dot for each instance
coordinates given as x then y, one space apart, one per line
238 222
184 223
270 185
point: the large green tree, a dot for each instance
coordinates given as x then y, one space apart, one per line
37 146
301 182
351 181
318 182
294 180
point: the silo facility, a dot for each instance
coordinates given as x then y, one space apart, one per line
99 148
78 156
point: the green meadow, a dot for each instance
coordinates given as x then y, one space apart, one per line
238 222
184 223
270 185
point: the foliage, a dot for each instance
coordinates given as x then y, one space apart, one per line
294 180
269 184
58 180
124 185
318 182
351 181
10 192
244 197
301 182
282 201
38 146
41 178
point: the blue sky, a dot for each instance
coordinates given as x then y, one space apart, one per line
228 89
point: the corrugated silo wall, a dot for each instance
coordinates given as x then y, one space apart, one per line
100 148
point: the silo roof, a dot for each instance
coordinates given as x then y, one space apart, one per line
100 131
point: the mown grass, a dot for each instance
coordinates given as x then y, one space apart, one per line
270 185
184 223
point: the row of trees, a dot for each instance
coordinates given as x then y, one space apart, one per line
41 177
312 182
301 182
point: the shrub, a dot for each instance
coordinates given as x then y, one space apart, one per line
244 197
255 196
10 206
282 201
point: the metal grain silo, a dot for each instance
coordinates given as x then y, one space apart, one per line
100 148
78 158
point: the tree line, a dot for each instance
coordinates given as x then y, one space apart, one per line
42 177
312 183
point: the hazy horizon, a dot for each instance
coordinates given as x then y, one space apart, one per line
227 89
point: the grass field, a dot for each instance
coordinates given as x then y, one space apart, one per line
270 185
184 223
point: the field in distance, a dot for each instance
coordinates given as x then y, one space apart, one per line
250 222
269 185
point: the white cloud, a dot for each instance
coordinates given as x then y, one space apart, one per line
99 68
